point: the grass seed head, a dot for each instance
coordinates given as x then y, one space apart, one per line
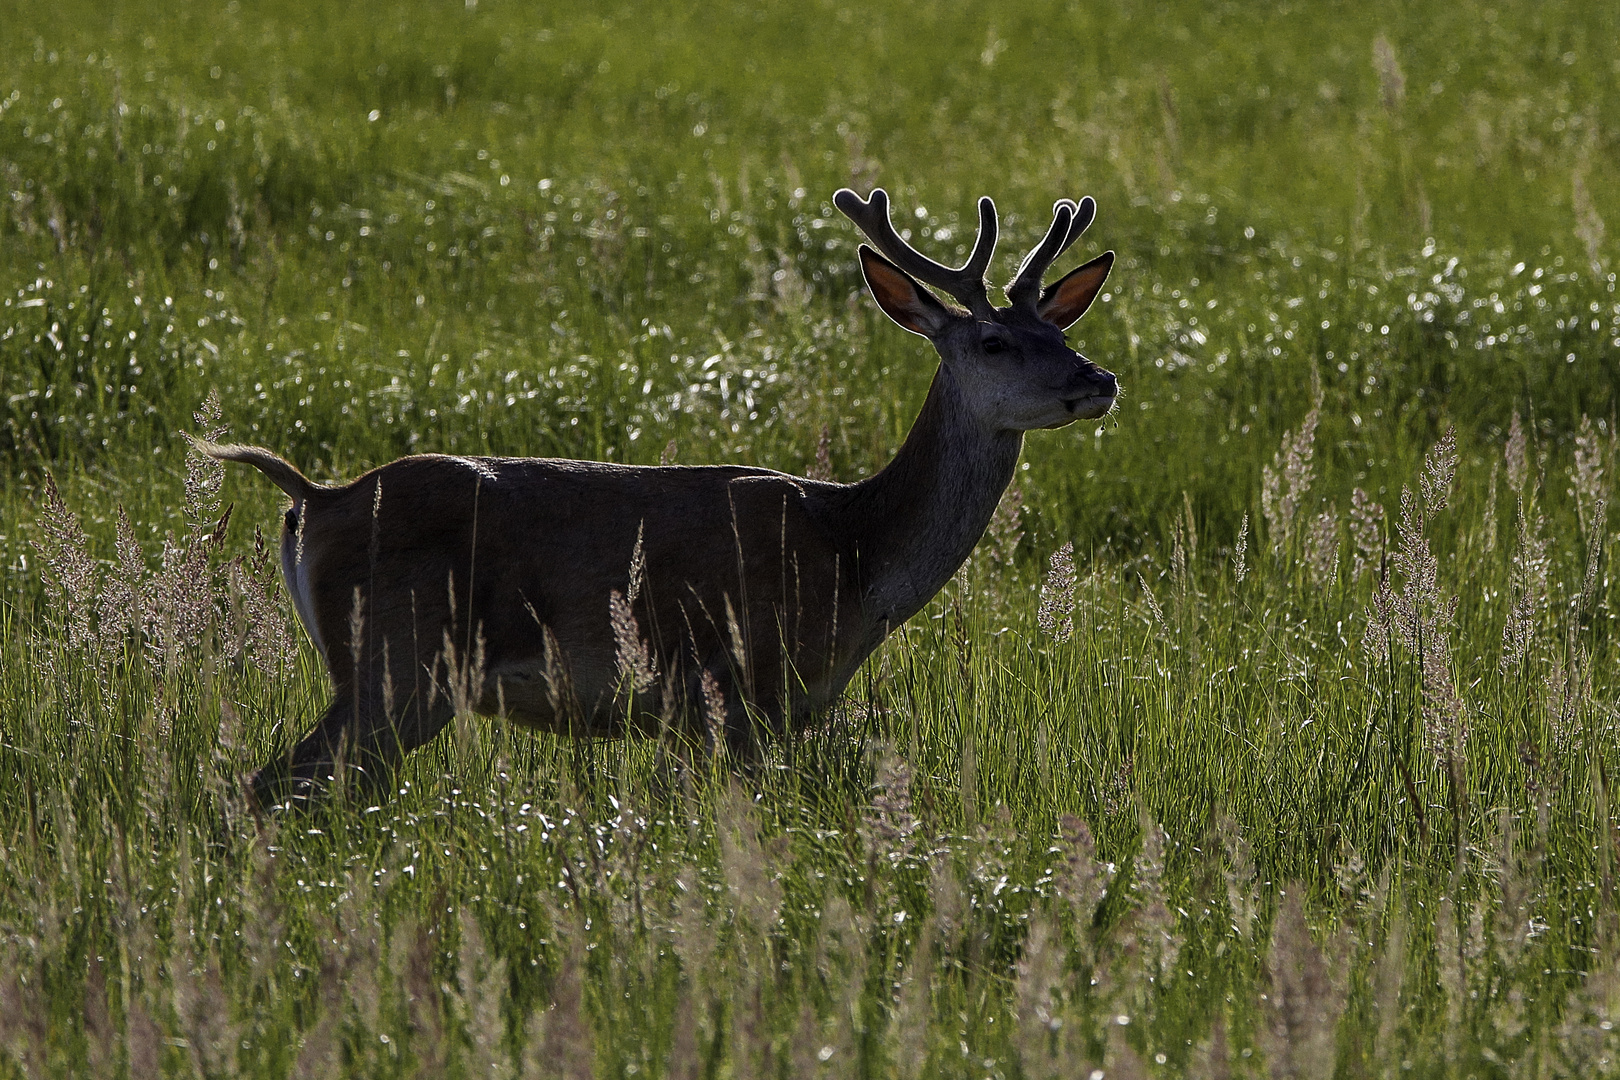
1240 551
1322 548
1589 227
1366 533
68 571
1586 477
635 660
1391 80
1516 454
1445 717
1081 881
1286 481
821 468
889 826
1006 529
1056 614
1305 1001
1439 470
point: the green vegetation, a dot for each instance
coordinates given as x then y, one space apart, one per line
1302 766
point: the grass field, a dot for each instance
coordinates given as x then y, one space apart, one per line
1304 770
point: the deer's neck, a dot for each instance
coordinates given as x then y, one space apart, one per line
917 521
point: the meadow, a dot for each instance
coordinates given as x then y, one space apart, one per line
1270 731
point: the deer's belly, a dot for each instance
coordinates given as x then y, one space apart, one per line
581 699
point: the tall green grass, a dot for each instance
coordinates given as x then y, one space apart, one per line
1306 768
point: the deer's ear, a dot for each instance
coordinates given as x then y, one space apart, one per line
1066 299
901 298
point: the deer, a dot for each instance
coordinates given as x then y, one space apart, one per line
725 603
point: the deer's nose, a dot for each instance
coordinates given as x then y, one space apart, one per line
1099 381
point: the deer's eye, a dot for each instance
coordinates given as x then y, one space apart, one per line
994 345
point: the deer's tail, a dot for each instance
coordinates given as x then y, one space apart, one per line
281 472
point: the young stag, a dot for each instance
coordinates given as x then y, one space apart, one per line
723 601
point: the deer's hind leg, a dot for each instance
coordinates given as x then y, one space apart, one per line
358 741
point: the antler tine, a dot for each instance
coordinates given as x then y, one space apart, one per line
1068 222
984 247
1084 213
965 284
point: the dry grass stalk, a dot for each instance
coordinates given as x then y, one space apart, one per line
205 476
691 937
120 609
1388 979
1589 228
1457 944
750 876
1568 689
1585 602
806 1048
1155 926
889 828
1079 880
1439 470
684 1062
635 659
1240 551
1391 81
821 469
1211 1058
913 1011
559 682
411 959
1529 581
1152 604
1285 482
1237 870
1519 884
638 566
66 568
464 675
357 629
1322 548
1489 527
1056 614
739 651
260 628
1038 1001
1180 570
482 982
1517 455
1306 1000
1445 718
714 710
1419 611
24 1027
99 1035
143 1039
1006 529
559 1040
1366 533
1586 477
203 1009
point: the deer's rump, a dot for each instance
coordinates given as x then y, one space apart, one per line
492 579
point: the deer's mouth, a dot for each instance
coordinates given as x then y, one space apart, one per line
1089 406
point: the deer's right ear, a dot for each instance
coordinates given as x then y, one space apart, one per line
901 298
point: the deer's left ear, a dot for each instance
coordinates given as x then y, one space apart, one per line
1066 299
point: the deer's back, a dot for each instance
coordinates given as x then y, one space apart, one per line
509 548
